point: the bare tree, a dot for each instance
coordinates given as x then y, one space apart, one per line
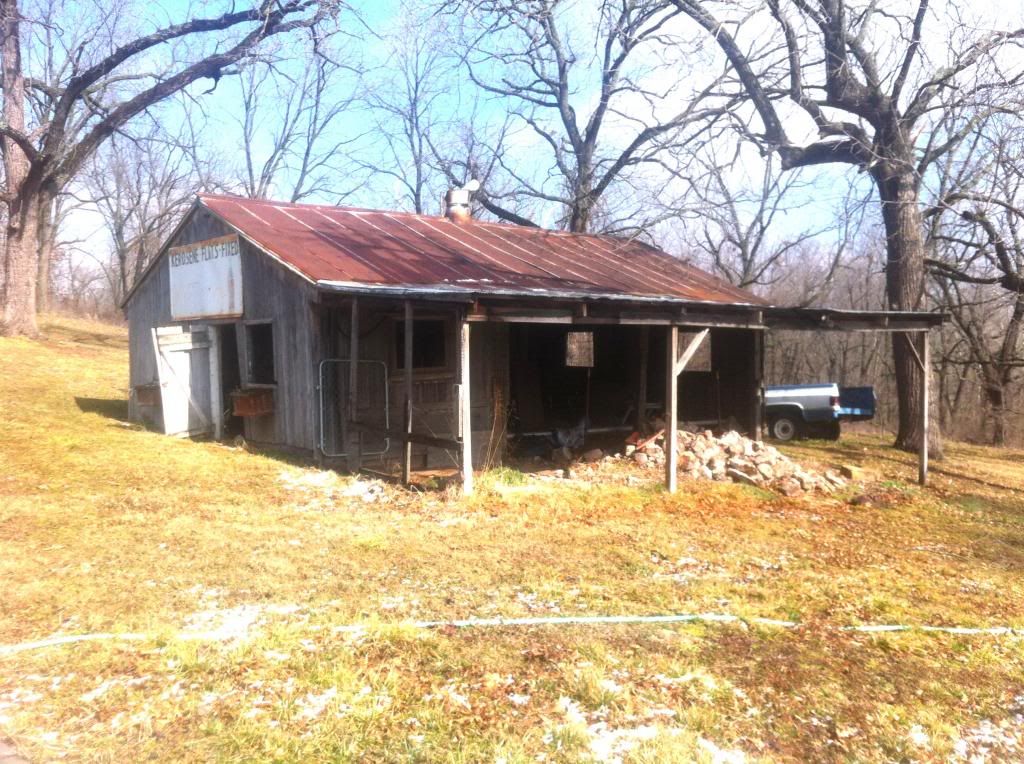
104 86
81 289
141 186
293 103
848 358
42 51
875 90
734 220
430 131
412 95
598 113
978 264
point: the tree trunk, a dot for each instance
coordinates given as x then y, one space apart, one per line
46 236
19 316
21 246
579 215
995 395
904 283
581 209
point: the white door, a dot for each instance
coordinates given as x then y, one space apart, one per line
189 375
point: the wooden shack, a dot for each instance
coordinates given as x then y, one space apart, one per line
373 338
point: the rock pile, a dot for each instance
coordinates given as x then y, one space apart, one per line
731 456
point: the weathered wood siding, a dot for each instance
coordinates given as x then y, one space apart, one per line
433 390
150 306
272 293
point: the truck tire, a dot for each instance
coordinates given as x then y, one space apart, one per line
784 427
831 431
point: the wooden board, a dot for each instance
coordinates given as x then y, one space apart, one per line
183 368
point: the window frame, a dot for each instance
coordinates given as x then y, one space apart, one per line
250 355
398 329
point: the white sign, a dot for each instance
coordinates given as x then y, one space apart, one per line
206 279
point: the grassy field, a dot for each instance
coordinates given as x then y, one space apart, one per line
107 528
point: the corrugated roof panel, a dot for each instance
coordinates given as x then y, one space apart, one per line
400 249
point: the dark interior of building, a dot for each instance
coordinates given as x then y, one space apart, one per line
549 391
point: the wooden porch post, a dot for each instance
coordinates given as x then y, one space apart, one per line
671 409
465 403
758 418
407 447
353 448
216 390
926 365
675 364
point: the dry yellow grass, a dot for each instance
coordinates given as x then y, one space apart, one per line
104 527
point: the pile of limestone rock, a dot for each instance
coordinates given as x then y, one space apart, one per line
731 456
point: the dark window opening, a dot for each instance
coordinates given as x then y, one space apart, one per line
428 344
230 377
261 354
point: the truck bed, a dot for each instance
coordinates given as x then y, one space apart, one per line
857 404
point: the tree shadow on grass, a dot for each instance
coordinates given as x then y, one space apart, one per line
112 408
908 460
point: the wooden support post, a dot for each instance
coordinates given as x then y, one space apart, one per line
353 448
316 344
216 386
924 363
407 425
674 366
671 409
758 417
466 409
926 367
641 394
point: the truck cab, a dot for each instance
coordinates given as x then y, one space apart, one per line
794 411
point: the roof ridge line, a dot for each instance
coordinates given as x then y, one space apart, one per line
475 221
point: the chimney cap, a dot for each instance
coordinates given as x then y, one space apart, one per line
457 202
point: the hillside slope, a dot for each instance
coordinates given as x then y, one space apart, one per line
105 528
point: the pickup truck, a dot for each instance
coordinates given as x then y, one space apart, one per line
857 404
793 411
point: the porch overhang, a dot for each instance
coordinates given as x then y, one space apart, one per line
831 319
583 307
590 308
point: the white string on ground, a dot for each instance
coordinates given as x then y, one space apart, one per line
580 620
468 623
125 636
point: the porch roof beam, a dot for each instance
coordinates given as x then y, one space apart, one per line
569 317
807 325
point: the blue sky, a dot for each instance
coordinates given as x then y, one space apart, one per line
827 186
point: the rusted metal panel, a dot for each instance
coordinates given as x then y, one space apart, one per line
374 248
253 401
148 394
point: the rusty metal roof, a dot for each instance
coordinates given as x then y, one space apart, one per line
340 246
